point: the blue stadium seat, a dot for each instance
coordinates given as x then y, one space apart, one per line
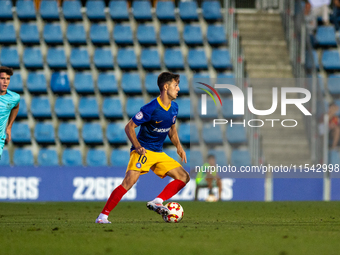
325 36
107 83
119 10
133 105
169 34
165 11
216 35
71 10
183 107
10 57
112 108
103 58
88 108
200 77
16 83
146 35
52 34
122 34
92 134
68 133
196 158
7 32
21 133
5 160
99 34
23 157
120 157
173 59
220 156
150 83
127 59
72 157
188 134
22 113
29 33
333 84
142 10
211 10
184 84
192 35
36 83
56 58
331 60
44 133
211 109
131 83
188 10
41 108
60 83
33 58
49 10
240 158
316 59
83 83
48 157
172 153
6 10
80 59
227 108
95 10
197 59
220 59
25 10
333 155
212 135
236 135
64 108
76 34
115 134
225 78
150 59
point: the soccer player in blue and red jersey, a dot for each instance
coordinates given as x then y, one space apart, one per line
9 106
157 120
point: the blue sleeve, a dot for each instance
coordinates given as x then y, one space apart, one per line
144 115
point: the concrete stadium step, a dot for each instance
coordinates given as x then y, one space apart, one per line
269 74
253 17
267 67
258 54
264 43
267 60
265 36
265 49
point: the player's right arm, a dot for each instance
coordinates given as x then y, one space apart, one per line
131 134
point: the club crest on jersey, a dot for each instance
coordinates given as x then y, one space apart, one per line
9 106
139 116
138 165
174 119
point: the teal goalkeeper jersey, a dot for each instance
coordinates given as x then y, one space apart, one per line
7 103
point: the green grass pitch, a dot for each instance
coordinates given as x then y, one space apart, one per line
281 228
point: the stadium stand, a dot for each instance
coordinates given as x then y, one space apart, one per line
17 84
146 35
107 84
216 35
68 134
64 108
10 57
88 108
103 59
236 135
119 157
75 34
188 11
33 58
122 34
72 157
96 157
92 134
5 160
56 58
48 157
49 10
150 83
25 10
150 59
119 10
141 10
6 10
99 34
36 83
22 113
23 157
52 34
71 10
212 138
7 31
95 10
79 58
165 11
29 33
21 133
41 108
126 59
115 134
240 158
131 83
112 108
60 83
197 59
192 35
173 59
44 134
169 35
133 105
211 11
83 83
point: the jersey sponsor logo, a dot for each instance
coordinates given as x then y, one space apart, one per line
139 116
138 165
174 119
158 121
161 130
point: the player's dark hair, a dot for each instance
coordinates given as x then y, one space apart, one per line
211 156
7 70
165 78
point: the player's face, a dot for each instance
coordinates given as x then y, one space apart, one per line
173 89
4 82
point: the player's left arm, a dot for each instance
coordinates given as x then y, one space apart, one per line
173 135
12 116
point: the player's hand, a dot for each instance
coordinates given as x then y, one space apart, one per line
141 151
8 135
182 154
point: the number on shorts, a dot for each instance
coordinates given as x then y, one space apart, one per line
142 159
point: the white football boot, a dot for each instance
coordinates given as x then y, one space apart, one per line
158 208
103 221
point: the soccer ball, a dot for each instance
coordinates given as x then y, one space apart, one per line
176 212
